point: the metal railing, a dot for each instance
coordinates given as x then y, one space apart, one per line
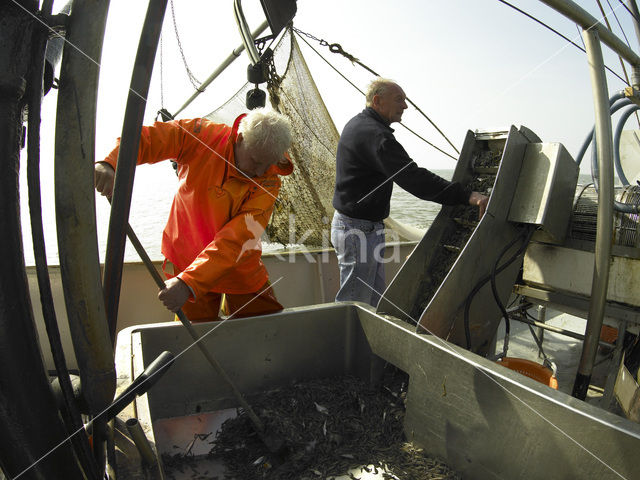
594 33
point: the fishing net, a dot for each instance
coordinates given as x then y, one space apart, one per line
303 211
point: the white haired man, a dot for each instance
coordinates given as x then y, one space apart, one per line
369 161
228 184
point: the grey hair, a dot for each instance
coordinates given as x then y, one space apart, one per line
266 130
378 86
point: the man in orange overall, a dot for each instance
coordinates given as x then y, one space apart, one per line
228 184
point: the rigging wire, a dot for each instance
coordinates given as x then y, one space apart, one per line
323 42
336 48
604 15
557 33
625 39
606 20
619 24
580 35
628 10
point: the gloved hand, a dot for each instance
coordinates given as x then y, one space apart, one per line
104 177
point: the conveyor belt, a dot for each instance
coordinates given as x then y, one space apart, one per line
457 252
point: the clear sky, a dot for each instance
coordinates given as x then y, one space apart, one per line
468 64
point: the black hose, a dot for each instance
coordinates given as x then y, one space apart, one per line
125 171
525 235
69 410
29 421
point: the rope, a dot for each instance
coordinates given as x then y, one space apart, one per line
349 56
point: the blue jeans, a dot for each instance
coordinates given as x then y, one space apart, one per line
359 245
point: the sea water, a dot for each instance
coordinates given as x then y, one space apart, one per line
151 202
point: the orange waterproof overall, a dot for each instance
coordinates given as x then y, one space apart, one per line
212 236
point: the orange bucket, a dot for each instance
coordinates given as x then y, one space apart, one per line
534 370
608 334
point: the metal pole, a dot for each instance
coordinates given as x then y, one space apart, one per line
583 18
141 441
604 225
247 39
228 61
609 386
560 331
197 339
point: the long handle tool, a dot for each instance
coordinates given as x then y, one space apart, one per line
274 444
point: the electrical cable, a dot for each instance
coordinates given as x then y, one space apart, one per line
525 235
494 290
559 34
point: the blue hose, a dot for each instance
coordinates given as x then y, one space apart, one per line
616 142
615 105
594 160
617 206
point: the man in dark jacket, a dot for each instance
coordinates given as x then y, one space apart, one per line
369 160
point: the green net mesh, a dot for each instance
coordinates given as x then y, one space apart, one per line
303 211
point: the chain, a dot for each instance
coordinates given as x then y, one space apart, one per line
162 113
260 46
337 48
322 42
194 81
161 75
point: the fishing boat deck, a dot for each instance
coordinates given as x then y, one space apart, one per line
484 420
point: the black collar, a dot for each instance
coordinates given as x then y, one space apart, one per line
376 116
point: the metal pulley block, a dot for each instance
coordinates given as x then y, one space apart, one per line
256 98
